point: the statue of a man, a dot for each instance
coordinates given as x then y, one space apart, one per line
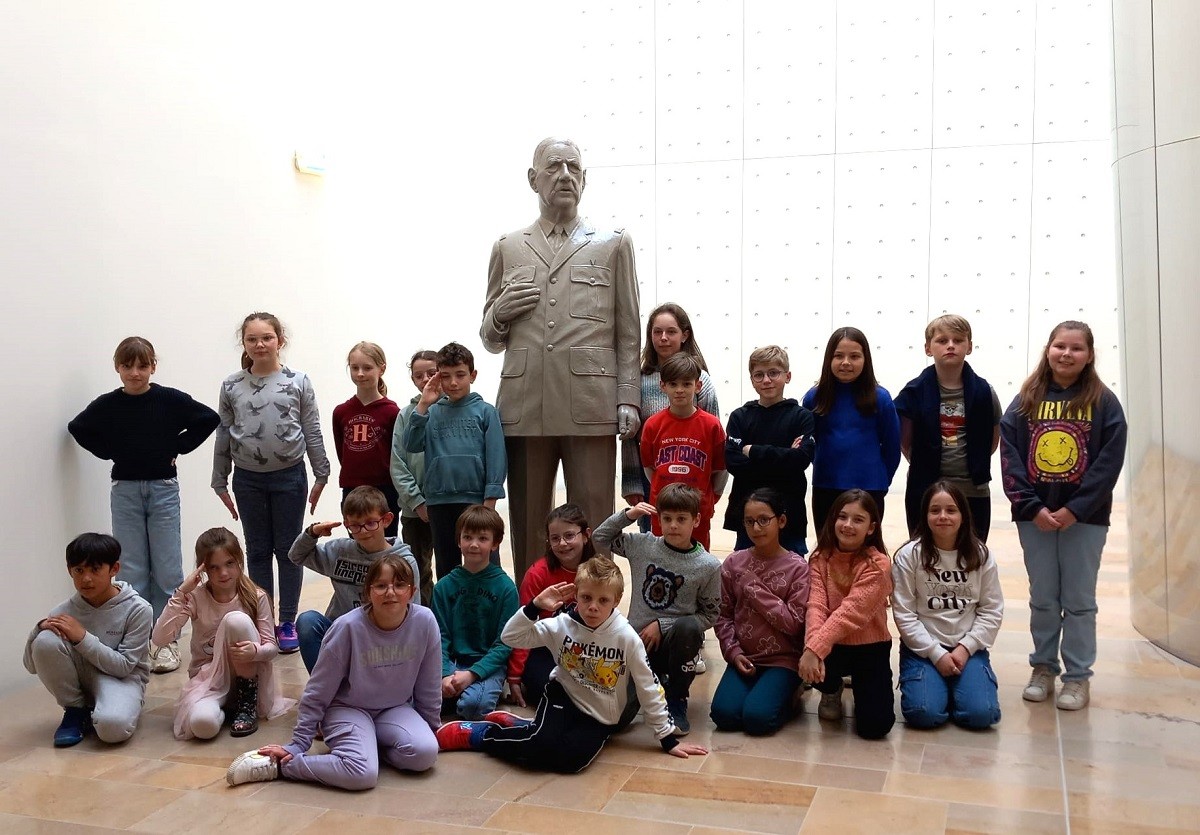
562 304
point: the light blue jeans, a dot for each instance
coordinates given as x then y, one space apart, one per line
145 520
479 699
929 700
1063 567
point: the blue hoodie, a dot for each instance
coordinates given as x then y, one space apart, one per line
463 443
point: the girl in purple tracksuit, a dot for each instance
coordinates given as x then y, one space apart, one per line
375 692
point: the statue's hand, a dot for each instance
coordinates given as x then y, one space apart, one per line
515 301
628 421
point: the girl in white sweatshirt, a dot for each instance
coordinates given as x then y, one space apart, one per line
948 605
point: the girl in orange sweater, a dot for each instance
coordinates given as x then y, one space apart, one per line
846 631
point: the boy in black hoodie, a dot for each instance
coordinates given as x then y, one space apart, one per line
770 444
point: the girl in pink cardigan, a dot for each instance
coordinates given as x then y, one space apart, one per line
846 632
233 643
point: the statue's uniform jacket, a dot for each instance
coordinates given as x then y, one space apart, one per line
573 359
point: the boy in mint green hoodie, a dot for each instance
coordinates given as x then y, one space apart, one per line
472 603
463 442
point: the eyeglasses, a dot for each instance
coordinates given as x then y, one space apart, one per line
769 374
382 588
759 521
565 539
369 525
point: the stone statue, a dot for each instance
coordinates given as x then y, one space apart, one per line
562 304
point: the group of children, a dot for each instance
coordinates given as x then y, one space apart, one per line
437 467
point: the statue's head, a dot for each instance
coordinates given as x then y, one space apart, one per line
558 176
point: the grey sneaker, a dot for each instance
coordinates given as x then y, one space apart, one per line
830 709
251 767
1041 684
164 659
1075 695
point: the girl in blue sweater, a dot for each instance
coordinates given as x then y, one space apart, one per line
857 430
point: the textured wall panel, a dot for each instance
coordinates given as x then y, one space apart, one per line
790 65
881 253
884 75
983 73
787 259
611 76
699 80
979 254
1073 97
700 262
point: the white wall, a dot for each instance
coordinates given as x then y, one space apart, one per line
783 167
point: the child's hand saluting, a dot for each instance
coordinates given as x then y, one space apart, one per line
552 597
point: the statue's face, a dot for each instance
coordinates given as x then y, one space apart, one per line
559 177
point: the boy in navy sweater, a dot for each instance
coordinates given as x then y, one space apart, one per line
949 424
770 443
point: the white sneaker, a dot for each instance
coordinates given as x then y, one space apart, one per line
830 709
1041 684
698 663
251 767
1075 695
164 659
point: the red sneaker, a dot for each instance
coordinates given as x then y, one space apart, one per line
506 720
456 736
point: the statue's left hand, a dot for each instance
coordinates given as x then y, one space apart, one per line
628 421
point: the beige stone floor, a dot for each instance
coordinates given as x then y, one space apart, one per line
1128 763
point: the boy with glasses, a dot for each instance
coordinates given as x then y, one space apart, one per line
769 444
345 561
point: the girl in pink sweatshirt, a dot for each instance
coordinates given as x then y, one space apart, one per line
846 631
764 592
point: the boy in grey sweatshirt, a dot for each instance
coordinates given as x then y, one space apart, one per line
345 561
91 652
680 587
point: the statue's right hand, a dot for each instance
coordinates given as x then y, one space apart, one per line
515 301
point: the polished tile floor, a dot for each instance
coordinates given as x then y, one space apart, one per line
1129 763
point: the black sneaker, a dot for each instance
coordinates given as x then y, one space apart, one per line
677 708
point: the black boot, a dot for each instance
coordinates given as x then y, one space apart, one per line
244 704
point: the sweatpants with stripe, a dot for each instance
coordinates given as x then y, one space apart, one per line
561 738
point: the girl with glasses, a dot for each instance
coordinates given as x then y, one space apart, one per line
568 545
764 594
375 693
366 517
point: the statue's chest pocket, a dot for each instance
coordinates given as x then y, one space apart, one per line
591 292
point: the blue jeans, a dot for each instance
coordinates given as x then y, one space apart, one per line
311 627
480 698
758 704
928 699
145 520
271 507
1062 568
793 543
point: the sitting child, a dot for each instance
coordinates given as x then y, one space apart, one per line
588 697
568 543
91 651
764 593
845 629
345 561
233 643
947 605
373 692
471 605
680 588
